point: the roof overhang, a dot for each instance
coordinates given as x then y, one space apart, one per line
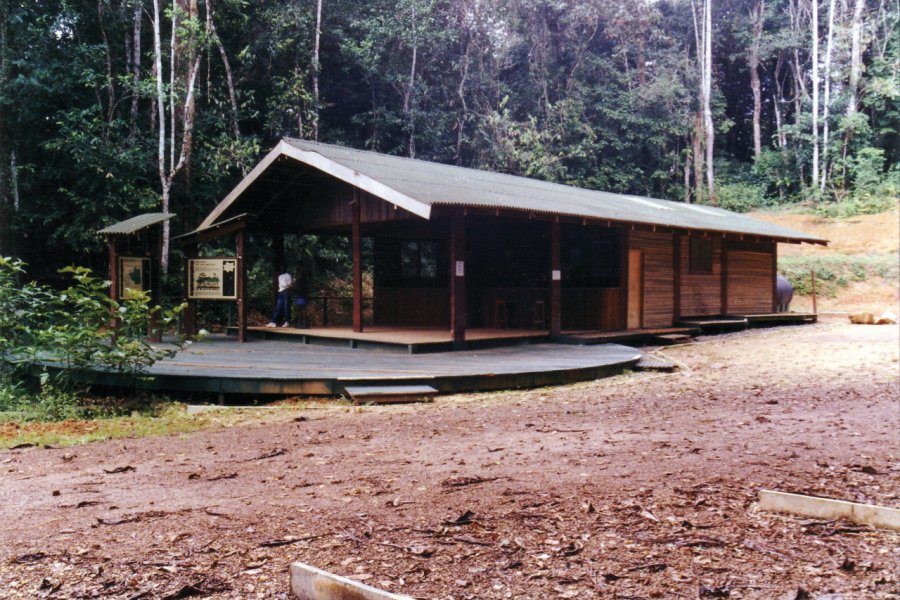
327 166
135 224
216 230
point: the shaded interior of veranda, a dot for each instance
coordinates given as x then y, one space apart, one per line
457 250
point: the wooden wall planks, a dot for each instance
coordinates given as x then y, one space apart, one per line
750 276
413 307
701 293
658 277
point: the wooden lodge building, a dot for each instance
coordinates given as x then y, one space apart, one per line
459 251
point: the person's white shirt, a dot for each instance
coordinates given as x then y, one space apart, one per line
285 281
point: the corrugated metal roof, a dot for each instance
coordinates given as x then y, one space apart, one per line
418 185
135 224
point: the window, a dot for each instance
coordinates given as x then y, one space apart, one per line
701 256
418 259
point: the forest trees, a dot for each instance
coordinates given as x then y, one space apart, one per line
113 107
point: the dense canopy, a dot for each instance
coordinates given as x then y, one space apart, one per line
118 107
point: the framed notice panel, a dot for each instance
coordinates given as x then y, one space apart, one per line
134 275
212 278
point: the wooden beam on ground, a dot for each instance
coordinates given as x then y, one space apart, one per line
241 244
310 583
458 280
356 243
555 279
880 517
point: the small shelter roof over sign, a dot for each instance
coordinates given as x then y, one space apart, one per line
135 224
418 185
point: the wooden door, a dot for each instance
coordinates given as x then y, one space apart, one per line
635 289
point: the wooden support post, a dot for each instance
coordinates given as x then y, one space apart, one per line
241 245
774 277
356 243
623 278
189 316
154 333
723 281
458 280
676 277
555 279
113 276
278 264
113 269
812 272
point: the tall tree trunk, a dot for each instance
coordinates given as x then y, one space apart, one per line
316 68
855 56
229 78
777 99
110 88
164 180
168 170
410 88
757 18
827 99
697 152
707 108
463 106
814 30
136 63
687 173
6 242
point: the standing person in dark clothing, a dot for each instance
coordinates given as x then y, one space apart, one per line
282 312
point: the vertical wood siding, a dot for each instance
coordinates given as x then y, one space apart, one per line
701 294
658 276
750 276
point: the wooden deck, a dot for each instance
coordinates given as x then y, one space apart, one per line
424 340
414 340
221 365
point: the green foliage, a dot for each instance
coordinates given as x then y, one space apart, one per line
836 272
742 197
70 331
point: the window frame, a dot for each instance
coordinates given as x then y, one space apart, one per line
700 259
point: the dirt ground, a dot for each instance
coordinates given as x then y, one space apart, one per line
637 486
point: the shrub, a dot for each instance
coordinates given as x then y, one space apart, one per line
741 197
70 331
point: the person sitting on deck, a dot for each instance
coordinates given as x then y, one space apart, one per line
282 302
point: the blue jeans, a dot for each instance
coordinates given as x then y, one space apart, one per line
282 307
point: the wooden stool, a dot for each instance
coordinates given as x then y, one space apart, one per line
501 314
539 316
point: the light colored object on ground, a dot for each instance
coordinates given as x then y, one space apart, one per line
865 318
887 318
271 324
310 583
880 517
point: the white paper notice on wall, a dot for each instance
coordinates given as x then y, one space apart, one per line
556 275
460 268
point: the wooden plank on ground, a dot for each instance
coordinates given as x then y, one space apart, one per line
391 394
880 517
310 583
